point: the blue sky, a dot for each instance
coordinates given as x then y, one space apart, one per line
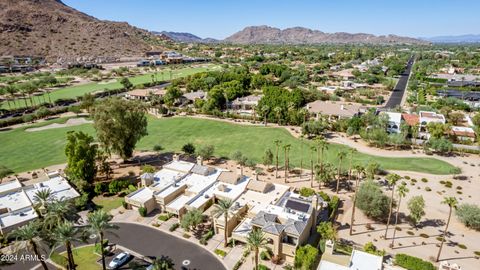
219 19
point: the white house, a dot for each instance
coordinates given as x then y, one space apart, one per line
394 122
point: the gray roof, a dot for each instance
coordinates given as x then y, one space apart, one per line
262 218
202 170
148 176
273 228
295 227
194 95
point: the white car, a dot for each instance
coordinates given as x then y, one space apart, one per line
119 260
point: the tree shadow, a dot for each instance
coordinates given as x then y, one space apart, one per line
431 223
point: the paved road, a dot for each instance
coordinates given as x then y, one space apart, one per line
152 242
399 90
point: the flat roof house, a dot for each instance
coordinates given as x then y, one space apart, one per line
463 133
334 110
17 201
426 118
245 105
358 260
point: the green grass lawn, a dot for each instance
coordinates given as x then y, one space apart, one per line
23 151
80 90
108 203
84 258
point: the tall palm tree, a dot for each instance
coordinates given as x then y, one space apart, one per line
341 156
255 241
29 237
402 192
322 145
265 111
312 149
452 203
65 234
99 224
12 90
352 151
57 212
359 170
286 149
392 180
277 145
223 208
41 198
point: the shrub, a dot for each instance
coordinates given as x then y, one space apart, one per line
82 201
428 189
99 188
97 248
220 252
372 249
477 253
439 238
142 211
372 201
148 169
462 246
265 255
410 233
188 149
412 263
306 192
263 267
469 215
424 235
424 180
174 227
305 257
125 204
117 185
333 206
164 217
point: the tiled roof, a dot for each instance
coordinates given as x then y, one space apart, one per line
273 228
295 227
411 119
262 218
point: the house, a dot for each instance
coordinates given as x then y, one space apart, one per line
328 89
345 74
286 218
358 260
463 133
17 201
394 122
410 119
145 94
245 105
426 118
334 110
191 97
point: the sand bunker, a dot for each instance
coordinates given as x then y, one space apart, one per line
70 123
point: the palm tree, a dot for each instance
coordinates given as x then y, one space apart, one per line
255 241
163 263
65 234
359 170
277 145
352 151
28 237
223 208
98 224
312 149
265 111
322 145
41 198
240 159
392 180
254 109
57 212
402 192
286 149
341 155
415 130
452 203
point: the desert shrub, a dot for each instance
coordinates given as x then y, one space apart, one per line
220 252
410 233
263 267
428 189
174 227
412 263
305 257
469 215
265 255
165 217
424 235
142 211
372 201
462 246
424 180
372 249
306 192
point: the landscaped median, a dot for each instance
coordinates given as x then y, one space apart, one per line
173 133
85 258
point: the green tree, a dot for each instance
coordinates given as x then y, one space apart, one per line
191 219
452 204
372 201
206 151
240 159
57 212
65 234
29 237
372 169
469 214
120 124
436 130
416 206
126 83
188 149
341 156
268 158
81 155
286 150
255 241
305 257
327 231
98 224
402 192
359 171
40 200
223 208
87 102
392 180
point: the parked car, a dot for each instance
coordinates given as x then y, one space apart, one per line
119 260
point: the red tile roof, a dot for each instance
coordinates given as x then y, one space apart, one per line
411 119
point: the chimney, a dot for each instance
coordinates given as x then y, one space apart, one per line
255 175
176 157
329 247
199 160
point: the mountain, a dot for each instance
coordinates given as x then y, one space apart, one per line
454 39
186 37
51 29
300 35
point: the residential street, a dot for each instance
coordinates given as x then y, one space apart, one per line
399 90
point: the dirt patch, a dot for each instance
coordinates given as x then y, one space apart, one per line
70 123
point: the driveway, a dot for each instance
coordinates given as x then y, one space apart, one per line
152 242
399 90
